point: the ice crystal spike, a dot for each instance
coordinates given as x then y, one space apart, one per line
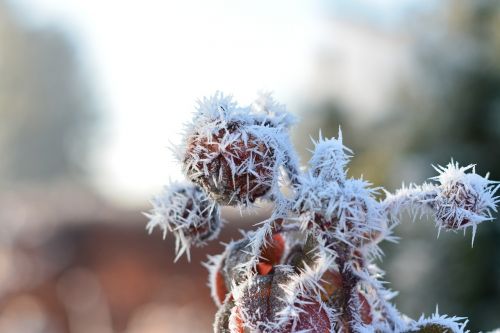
310 266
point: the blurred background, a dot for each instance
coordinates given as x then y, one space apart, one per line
93 92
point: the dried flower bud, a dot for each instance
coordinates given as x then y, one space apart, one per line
357 218
463 199
233 166
225 269
233 153
261 301
347 212
253 300
185 211
260 298
438 324
431 328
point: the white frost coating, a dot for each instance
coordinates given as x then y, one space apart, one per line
329 159
186 212
416 199
272 111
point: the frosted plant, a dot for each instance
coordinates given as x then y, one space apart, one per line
310 266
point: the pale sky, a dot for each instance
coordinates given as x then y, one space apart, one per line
149 60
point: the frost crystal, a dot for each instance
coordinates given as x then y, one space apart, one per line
310 266
330 158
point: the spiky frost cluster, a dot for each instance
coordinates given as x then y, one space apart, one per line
235 153
310 266
187 212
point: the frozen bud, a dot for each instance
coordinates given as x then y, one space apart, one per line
186 212
438 324
261 304
330 158
260 299
463 198
253 299
225 269
233 153
348 213
431 328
